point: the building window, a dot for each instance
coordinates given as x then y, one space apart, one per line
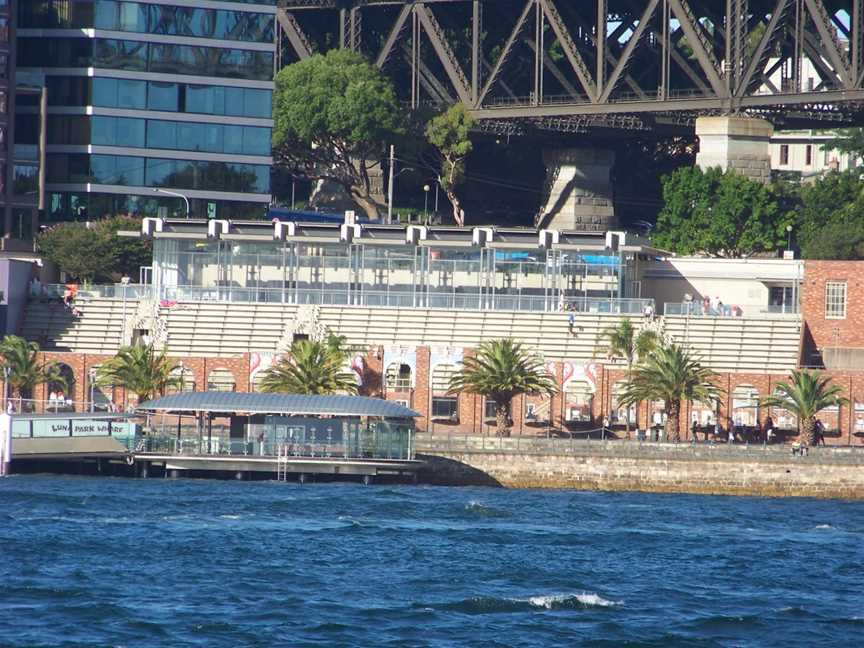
445 408
835 300
784 154
808 155
398 377
489 412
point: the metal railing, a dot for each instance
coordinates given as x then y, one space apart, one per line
221 446
404 299
107 291
697 309
58 405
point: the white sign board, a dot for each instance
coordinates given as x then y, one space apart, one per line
5 444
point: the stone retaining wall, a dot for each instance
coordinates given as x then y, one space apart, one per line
659 468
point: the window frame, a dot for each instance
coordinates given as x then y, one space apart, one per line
831 312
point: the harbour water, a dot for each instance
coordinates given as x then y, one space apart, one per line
119 562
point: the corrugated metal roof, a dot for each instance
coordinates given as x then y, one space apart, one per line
254 403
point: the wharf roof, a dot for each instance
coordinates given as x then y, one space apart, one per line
293 404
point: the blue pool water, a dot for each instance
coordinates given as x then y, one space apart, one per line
118 562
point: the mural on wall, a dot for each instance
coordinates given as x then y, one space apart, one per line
579 387
358 367
445 356
260 362
401 355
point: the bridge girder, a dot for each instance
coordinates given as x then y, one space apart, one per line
619 64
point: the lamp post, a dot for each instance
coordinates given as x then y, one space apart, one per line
788 238
6 371
174 193
426 204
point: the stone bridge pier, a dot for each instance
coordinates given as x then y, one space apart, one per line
738 143
578 192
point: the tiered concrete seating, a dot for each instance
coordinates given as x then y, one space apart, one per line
548 333
99 329
213 328
767 345
221 329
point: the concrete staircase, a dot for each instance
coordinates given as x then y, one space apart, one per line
99 329
739 343
222 329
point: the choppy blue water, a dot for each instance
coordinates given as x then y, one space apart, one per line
117 562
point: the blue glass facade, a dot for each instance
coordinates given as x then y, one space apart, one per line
183 103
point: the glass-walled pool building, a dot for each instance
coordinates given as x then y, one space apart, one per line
147 100
381 265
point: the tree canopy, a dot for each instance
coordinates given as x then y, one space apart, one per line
806 394
333 115
450 134
93 251
831 217
20 358
673 375
316 367
848 140
141 370
718 213
501 370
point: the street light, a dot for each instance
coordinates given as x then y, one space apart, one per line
789 238
174 193
426 204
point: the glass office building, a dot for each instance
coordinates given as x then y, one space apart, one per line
150 100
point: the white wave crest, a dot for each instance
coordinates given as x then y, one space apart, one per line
588 599
822 527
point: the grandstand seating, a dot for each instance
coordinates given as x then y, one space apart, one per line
99 328
759 345
220 329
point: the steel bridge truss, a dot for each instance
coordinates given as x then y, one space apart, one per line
571 65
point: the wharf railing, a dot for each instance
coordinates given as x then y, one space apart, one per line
221 446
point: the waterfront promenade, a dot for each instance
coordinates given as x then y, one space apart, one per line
696 468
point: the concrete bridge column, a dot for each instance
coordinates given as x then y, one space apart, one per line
579 190
737 143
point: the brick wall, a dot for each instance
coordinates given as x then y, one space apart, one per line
824 332
845 425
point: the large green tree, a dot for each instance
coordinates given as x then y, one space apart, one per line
333 115
20 360
847 140
93 251
624 342
806 394
501 370
315 367
831 217
450 134
673 375
718 213
142 370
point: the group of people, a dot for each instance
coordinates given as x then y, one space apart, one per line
38 290
715 306
57 399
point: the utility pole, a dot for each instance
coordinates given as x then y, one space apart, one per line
390 187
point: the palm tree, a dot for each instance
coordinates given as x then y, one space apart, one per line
141 370
625 343
20 359
313 367
807 394
501 370
673 375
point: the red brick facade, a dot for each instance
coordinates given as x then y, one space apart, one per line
846 425
821 331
